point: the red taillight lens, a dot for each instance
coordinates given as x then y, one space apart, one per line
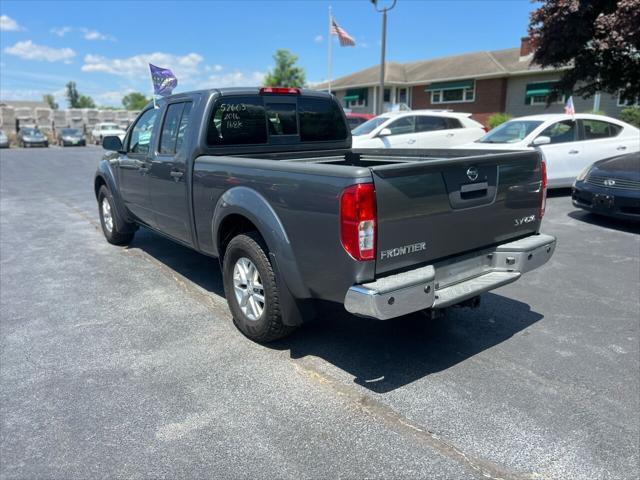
486 130
285 90
543 187
358 221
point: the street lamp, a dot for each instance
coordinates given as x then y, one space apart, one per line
384 11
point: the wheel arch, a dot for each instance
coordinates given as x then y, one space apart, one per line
242 208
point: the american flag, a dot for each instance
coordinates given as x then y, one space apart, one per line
346 40
569 108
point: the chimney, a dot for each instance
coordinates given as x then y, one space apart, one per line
525 46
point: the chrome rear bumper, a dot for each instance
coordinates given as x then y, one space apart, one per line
449 282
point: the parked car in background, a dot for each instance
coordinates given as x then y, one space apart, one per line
71 136
32 137
417 129
610 187
109 129
4 140
568 144
356 119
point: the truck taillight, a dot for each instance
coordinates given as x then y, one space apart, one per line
358 221
543 187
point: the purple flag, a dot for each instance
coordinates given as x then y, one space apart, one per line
163 79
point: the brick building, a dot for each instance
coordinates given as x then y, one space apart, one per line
480 83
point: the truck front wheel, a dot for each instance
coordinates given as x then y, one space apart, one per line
251 289
106 208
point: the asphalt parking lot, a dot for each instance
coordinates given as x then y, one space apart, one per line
123 362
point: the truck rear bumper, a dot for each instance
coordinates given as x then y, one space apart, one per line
449 282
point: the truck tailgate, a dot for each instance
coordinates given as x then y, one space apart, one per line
431 209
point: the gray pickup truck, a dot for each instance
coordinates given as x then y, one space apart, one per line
265 180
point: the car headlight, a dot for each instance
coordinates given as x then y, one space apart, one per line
583 174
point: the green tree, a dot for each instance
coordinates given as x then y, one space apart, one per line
285 73
631 115
599 39
51 101
75 100
497 119
134 101
72 95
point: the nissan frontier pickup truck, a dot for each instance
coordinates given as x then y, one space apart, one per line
265 180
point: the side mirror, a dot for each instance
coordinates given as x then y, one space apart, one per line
113 143
384 132
541 140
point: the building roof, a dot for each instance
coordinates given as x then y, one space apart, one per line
23 104
497 63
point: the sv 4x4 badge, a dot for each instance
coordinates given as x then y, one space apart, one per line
523 220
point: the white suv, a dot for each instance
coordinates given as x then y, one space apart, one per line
417 129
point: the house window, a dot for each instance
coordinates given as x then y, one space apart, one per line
538 93
402 95
356 98
387 95
452 92
627 103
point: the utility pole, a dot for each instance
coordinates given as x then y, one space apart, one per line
380 104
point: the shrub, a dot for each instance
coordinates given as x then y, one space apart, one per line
631 115
496 119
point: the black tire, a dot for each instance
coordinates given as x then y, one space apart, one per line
113 235
268 326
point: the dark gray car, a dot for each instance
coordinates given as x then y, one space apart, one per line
68 137
265 180
32 137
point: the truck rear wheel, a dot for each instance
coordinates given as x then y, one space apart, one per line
106 208
251 289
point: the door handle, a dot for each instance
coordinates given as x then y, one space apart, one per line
621 147
176 175
411 141
450 134
573 152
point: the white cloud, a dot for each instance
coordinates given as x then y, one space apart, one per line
235 79
31 51
8 24
318 39
60 31
96 35
183 66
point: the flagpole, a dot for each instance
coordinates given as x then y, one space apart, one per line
329 39
153 91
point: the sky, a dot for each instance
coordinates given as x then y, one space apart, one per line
105 46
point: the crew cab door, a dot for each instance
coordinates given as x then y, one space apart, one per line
168 174
133 167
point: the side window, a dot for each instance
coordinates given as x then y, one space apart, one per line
184 123
453 123
238 121
594 129
402 125
562 132
141 133
170 128
430 124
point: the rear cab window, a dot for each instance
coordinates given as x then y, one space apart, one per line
274 119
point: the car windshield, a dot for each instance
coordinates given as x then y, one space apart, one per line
30 131
70 131
369 126
510 132
109 126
